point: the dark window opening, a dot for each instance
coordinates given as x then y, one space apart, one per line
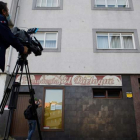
107 93
114 93
139 82
99 94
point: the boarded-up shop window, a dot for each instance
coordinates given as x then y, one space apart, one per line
107 93
53 111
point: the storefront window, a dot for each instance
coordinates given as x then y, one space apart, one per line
53 112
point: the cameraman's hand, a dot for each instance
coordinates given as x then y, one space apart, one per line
25 50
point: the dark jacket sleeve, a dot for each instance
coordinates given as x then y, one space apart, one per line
8 37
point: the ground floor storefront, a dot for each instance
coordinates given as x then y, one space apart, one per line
81 107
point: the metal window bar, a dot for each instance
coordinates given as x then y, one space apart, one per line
58 3
116 5
41 1
122 45
44 40
134 45
109 41
106 3
127 3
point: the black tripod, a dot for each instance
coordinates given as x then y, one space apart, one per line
13 87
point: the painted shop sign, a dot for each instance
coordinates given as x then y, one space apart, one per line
74 80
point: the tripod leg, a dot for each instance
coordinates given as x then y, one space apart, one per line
11 116
6 127
4 100
12 73
7 130
12 106
14 96
8 90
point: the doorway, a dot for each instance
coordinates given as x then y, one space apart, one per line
19 126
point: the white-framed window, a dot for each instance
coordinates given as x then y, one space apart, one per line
48 40
112 3
47 3
115 41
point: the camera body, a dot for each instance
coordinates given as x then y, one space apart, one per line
26 40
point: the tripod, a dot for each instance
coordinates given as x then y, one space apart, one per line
13 87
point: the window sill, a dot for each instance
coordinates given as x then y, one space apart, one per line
109 98
116 51
47 8
51 50
112 8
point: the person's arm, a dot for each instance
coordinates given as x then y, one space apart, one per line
40 103
8 36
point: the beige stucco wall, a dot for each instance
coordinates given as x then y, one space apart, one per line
77 21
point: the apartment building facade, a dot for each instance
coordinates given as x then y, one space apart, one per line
88 73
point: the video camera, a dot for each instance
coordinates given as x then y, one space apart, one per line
27 40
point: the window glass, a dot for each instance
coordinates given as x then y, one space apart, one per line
128 42
111 3
40 38
38 3
55 3
43 3
102 41
47 3
53 105
100 3
122 3
51 40
115 42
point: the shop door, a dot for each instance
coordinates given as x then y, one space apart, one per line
19 126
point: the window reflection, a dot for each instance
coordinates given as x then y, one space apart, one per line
53 109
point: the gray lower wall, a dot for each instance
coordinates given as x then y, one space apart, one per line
92 119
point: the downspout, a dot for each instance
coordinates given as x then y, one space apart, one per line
11 48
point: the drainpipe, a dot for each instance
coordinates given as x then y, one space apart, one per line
11 48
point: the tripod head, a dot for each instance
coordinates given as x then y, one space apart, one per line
23 56
22 60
